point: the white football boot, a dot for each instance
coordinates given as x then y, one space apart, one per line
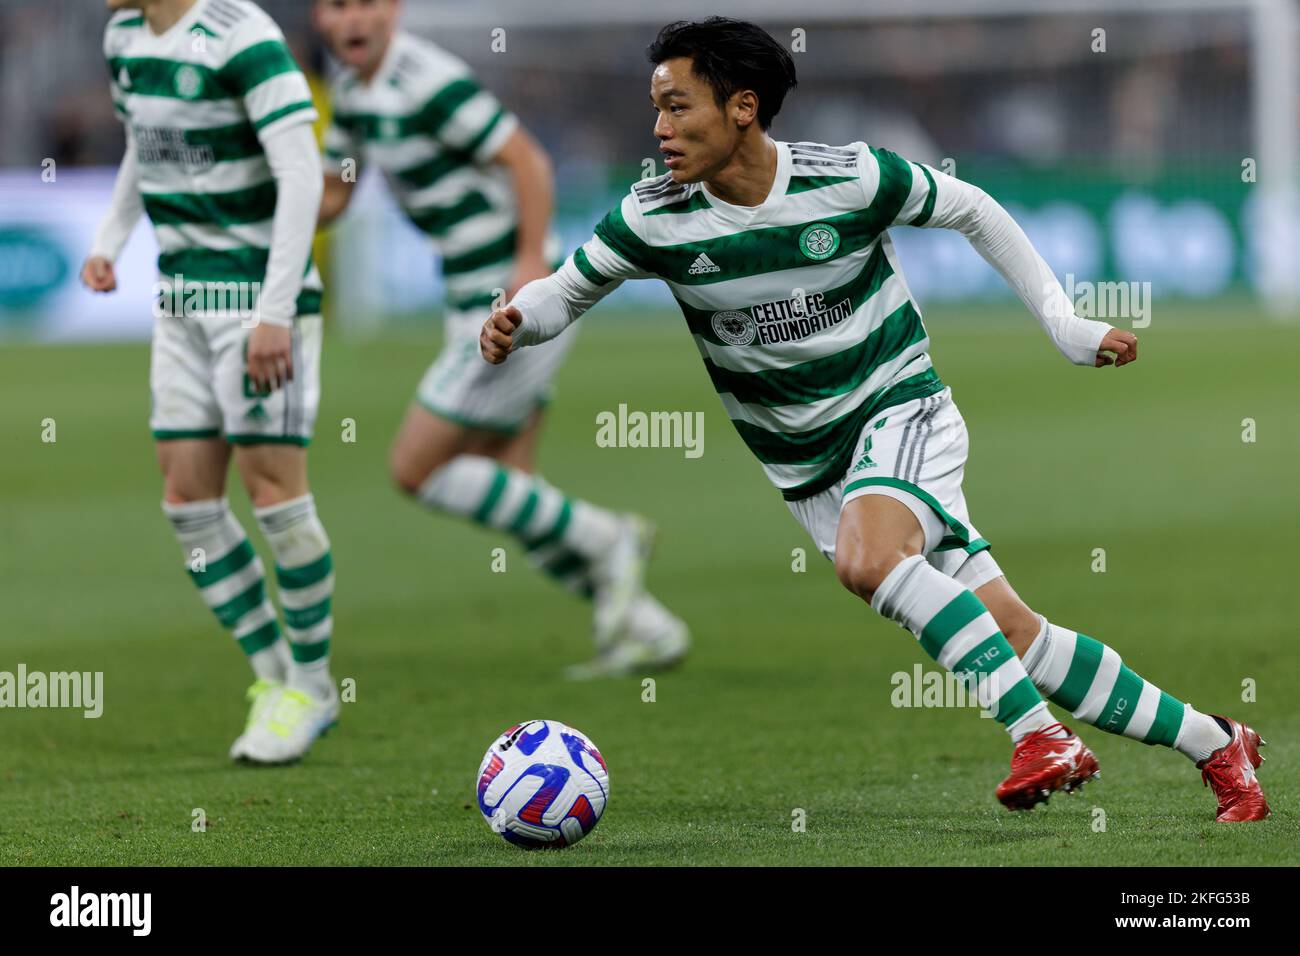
619 579
260 696
284 725
653 639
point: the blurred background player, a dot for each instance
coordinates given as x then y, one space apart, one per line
791 287
220 155
470 176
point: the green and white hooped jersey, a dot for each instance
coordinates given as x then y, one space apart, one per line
200 99
797 305
428 125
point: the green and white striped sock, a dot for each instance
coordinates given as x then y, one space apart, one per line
549 554
304 570
1088 679
228 572
562 535
956 630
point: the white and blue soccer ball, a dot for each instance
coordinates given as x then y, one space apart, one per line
543 785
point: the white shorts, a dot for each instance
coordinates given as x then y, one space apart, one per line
915 453
199 382
463 387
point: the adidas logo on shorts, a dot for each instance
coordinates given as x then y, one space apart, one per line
702 265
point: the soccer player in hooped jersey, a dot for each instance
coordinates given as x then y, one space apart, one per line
220 155
779 257
468 175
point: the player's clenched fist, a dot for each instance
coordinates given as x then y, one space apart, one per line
1123 344
97 275
497 337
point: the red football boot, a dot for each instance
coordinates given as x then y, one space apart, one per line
1230 771
1042 764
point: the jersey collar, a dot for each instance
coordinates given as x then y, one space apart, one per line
389 62
754 215
183 25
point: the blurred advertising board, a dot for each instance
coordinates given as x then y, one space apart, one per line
1188 235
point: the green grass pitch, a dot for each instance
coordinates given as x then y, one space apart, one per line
785 703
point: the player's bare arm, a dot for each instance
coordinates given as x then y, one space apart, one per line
335 197
534 186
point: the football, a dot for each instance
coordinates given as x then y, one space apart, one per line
542 785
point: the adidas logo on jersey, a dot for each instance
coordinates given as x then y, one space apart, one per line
702 265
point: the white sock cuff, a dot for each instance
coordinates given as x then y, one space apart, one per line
889 597
208 527
293 531
1200 735
286 514
459 485
1184 726
194 515
1039 646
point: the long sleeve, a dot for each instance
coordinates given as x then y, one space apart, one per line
551 305
996 236
937 200
595 269
277 99
295 163
124 209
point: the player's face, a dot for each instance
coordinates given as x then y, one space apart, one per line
126 4
696 136
357 31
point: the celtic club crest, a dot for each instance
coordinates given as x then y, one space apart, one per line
188 81
819 241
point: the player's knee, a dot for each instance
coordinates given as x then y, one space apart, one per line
181 495
405 478
180 488
408 475
864 571
267 486
268 492
411 465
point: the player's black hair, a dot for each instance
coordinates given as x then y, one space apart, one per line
731 55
